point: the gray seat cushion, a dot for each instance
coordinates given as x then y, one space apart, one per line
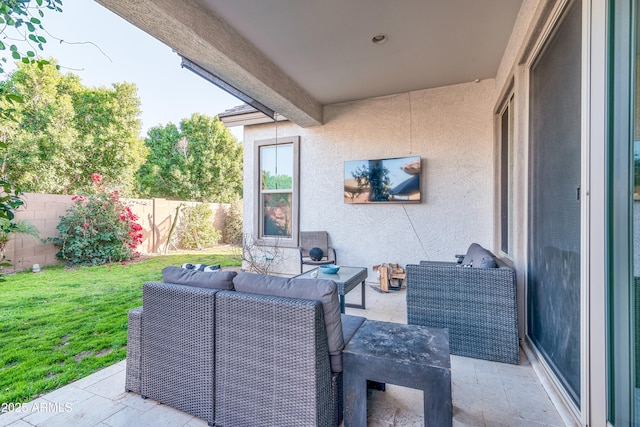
350 325
325 291
213 280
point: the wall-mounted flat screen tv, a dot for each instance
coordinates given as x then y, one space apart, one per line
395 180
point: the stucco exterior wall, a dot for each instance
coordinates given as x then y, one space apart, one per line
450 128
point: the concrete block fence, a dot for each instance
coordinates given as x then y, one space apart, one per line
44 211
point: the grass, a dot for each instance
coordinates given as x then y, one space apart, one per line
63 324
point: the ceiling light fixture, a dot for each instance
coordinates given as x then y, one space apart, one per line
379 39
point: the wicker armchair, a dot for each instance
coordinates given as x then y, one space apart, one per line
477 305
315 239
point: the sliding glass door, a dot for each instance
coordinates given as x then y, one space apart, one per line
623 284
553 282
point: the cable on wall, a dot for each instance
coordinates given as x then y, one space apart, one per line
415 232
410 125
275 117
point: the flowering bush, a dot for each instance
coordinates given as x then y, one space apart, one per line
98 229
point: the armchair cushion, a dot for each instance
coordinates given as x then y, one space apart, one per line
325 291
213 280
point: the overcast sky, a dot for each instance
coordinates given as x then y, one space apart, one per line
102 48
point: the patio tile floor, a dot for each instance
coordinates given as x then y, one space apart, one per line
484 393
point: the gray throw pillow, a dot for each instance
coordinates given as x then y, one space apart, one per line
212 280
474 248
201 267
479 257
325 291
486 262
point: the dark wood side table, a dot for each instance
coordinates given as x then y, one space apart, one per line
406 355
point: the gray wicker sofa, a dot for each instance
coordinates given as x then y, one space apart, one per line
474 299
241 350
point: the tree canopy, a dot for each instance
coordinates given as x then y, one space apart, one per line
20 25
63 132
200 160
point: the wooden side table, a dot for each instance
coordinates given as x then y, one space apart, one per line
407 355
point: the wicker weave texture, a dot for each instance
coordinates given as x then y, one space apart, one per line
274 369
134 331
178 347
337 396
477 305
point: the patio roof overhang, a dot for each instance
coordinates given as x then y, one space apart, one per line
295 57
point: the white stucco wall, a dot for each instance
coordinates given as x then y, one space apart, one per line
451 128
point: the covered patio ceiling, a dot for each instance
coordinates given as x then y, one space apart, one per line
296 56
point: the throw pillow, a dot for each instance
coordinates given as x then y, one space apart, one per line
316 254
479 257
201 267
204 279
472 253
487 262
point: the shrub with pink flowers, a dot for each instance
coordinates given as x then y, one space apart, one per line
98 229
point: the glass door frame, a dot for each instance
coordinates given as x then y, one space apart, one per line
622 23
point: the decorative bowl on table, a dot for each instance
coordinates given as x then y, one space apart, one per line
329 269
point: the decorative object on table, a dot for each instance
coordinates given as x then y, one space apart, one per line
310 240
316 254
329 269
391 276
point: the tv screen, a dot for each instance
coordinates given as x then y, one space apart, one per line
395 180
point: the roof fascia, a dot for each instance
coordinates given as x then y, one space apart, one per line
195 32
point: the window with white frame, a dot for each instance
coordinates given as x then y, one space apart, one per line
277 190
506 177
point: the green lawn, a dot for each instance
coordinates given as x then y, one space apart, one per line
61 324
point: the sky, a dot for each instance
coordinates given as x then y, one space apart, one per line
103 48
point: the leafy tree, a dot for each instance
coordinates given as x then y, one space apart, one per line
21 30
64 131
201 160
20 25
273 182
375 177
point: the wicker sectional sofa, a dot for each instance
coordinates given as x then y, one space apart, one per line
236 350
475 299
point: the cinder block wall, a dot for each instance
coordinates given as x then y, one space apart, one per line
44 211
